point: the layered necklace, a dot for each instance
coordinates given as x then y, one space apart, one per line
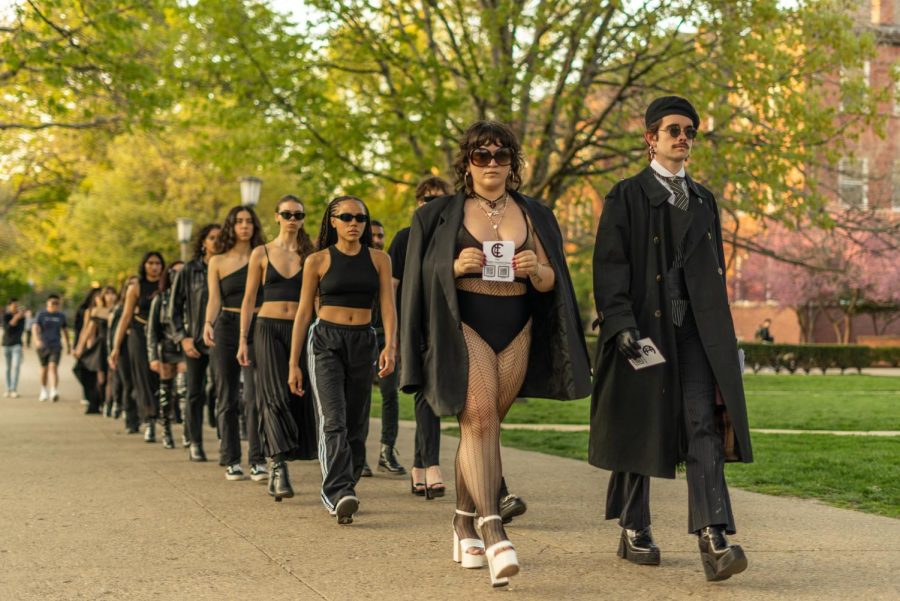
491 210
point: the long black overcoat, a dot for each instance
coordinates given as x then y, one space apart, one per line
435 358
636 415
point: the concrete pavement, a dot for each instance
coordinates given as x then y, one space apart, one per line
88 512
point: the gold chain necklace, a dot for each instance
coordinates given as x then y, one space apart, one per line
493 212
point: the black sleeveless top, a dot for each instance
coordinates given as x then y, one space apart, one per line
232 288
351 280
279 288
147 289
465 239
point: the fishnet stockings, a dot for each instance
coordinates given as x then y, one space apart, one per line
494 381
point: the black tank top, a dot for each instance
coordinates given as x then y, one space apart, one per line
351 280
279 288
232 288
147 289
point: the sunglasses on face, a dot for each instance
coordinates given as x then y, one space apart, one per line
481 157
348 217
674 130
288 215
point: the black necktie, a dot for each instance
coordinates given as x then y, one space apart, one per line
675 185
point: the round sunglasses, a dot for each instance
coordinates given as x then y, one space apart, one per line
481 157
674 130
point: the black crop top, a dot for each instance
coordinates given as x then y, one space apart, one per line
232 287
351 280
279 288
147 289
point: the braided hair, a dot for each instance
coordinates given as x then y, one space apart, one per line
328 234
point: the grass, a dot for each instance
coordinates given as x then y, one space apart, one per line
856 472
848 402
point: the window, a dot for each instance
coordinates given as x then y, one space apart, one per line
895 186
853 186
855 82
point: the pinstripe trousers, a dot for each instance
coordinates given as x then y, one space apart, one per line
628 495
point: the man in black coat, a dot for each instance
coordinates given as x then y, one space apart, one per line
659 273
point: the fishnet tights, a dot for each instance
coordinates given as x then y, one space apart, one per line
494 381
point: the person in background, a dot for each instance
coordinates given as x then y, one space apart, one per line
50 330
13 328
763 334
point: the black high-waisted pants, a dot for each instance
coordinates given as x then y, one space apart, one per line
628 495
196 395
228 390
341 359
146 381
287 422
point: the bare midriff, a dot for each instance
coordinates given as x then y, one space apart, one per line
347 316
278 309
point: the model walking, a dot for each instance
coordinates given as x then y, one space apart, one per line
123 399
241 233
135 312
91 349
164 354
341 348
467 340
287 421
659 272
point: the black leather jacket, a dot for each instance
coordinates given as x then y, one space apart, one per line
187 309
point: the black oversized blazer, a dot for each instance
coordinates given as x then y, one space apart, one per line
636 416
432 347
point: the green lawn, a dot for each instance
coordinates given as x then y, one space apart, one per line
848 402
857 472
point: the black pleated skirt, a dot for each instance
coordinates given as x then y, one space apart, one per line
287 423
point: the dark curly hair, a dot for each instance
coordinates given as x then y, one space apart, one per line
482 133
199 247
227 238
304 242
327 233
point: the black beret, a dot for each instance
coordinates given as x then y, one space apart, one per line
671 105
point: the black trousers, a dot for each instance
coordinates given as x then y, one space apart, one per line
126 377
428 434
628 495
228 373
287 422
390 404
146 381
341 360
196 396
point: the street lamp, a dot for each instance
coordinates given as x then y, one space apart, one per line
184 226
250 187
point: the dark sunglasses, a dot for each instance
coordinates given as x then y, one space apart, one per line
348 217
288 215
674 130
481 157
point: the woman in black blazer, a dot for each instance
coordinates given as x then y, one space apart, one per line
474 343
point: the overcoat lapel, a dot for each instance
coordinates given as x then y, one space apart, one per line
702 210
445 250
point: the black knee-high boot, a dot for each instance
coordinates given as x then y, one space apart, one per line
181 408
166 400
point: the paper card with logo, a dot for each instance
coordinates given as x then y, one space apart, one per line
650 355
498 267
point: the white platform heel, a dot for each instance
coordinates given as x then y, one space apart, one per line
461 548
501 557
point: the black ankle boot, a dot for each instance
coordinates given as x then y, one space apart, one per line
387 461
638 546
168 441
150 431
721 559
280 482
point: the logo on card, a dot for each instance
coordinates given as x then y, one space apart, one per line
497 250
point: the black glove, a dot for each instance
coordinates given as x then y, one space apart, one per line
627 343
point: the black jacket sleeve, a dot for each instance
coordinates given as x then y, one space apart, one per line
154 330
178 305
612 267
413 332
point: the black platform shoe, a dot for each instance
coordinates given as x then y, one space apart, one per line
387 461
280 482
721 559
366 471
197 453
150 431
510 507
637 546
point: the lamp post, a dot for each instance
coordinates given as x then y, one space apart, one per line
250 187
184 226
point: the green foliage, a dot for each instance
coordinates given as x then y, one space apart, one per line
807 357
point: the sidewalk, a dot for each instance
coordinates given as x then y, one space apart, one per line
88 512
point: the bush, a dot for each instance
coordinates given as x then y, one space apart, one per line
816 356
